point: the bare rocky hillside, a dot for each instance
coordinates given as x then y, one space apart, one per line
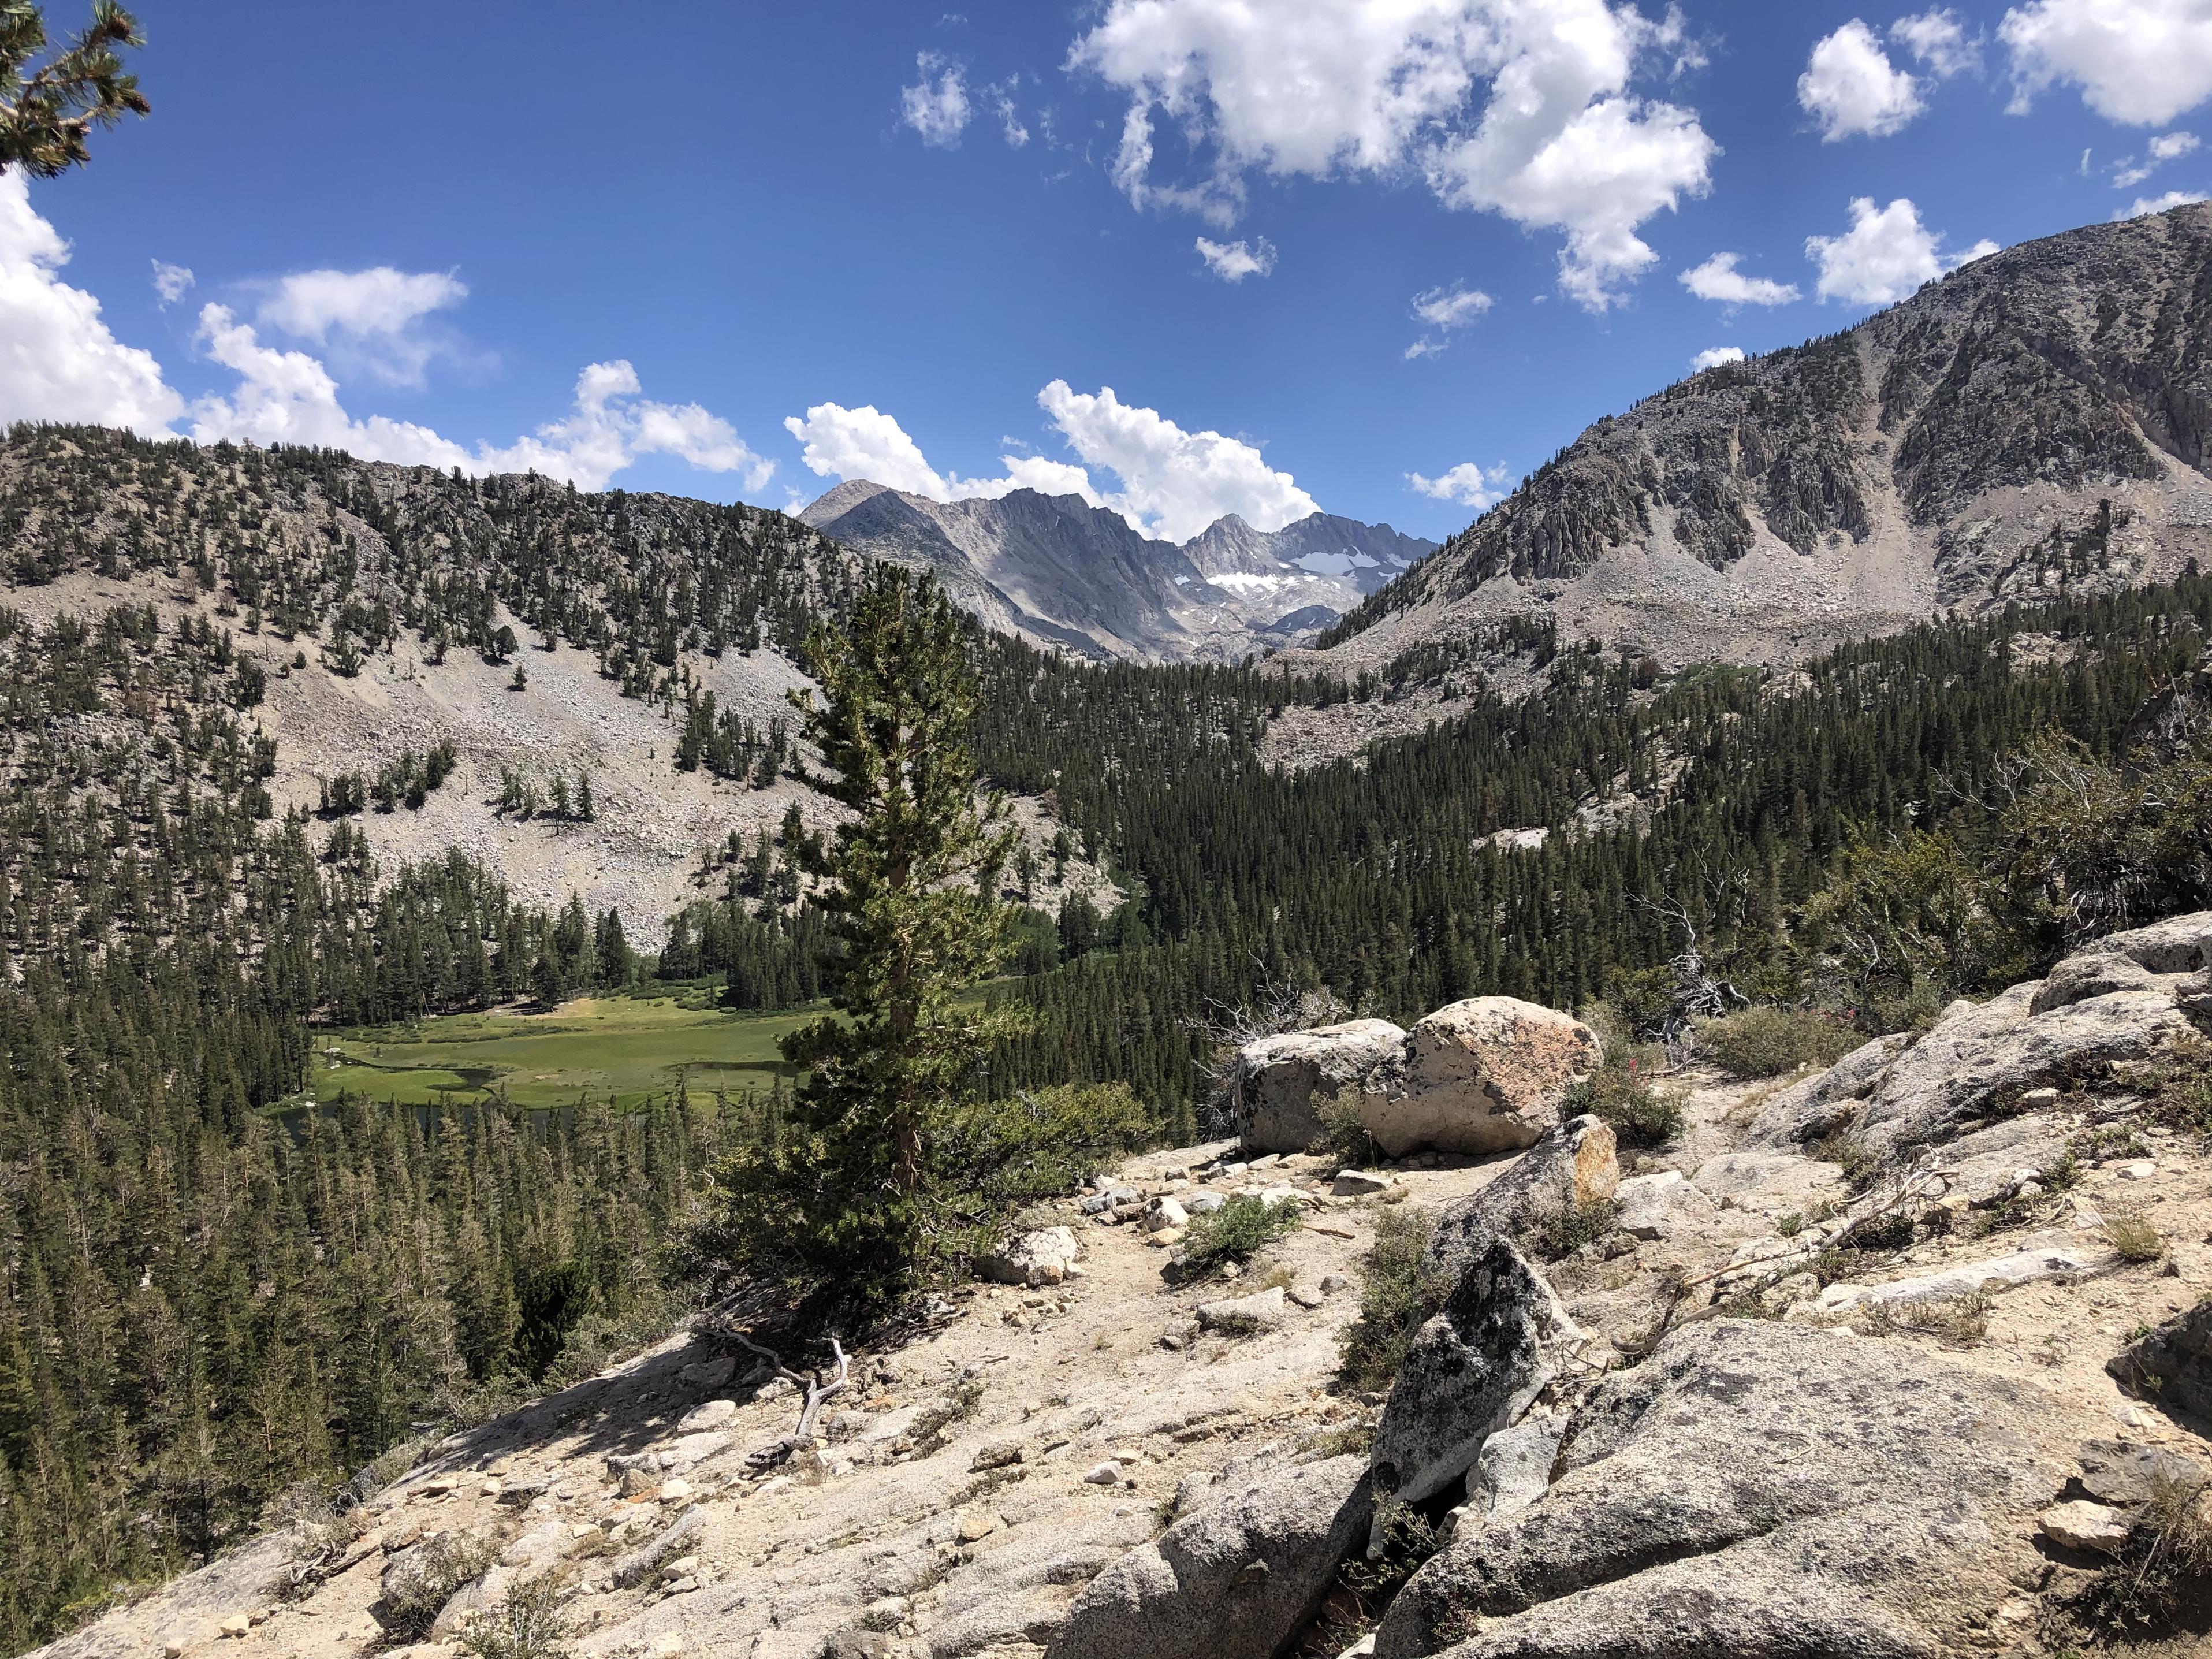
373 597
2036 419
1906 1357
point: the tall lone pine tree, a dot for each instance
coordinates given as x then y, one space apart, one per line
850 1204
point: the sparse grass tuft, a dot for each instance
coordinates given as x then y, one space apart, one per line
1959 1322
2166 1569
2131 1234
1859 1163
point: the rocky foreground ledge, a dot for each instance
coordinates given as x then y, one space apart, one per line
1909 1357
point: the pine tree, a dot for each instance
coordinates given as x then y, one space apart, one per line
845 1206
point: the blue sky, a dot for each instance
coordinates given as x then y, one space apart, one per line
412 228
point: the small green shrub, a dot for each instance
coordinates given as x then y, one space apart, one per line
931 1422
1559 1234
1397 1296
1638 1114
529 1625
2165 1571
1345 1140
1768 1042
1409 1540
1237 1231
2179 1086
414 1596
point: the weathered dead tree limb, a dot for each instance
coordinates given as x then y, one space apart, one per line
815 1388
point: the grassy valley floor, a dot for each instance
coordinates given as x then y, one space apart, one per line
625 1048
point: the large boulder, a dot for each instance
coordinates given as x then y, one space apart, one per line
1570 1167
1501 1338
1485 1075
1824 1101
2171 1364
2179 945
1756 1489
1236 1581
1042 1255
1979 1059
1280 1082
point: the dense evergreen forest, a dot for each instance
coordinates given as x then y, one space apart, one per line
205 1300
1707 810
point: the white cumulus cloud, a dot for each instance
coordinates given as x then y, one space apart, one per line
1853 90
1520 107
2140 63
937 105
1718 280
2148 204
1940 41
1467 484
374 317
2167 147
1173 483
170 283
59 361
1714 356
1445 310
1233 262
837 442
1886 255
289 397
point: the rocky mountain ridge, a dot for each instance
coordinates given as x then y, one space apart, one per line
1940 1398
2036 419
1060 571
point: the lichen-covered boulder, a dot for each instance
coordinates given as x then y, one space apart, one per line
1485 1075
1476 1368
1570 1167
1764 1489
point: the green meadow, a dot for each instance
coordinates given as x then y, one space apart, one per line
629 1049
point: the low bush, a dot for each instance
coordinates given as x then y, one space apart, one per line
1639 1114
1762 1043
1345 1140
1397 1297
1237 1231
1555 1236
415 1593
530 1624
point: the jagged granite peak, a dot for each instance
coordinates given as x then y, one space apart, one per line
1067 573
2039 419
1320 544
